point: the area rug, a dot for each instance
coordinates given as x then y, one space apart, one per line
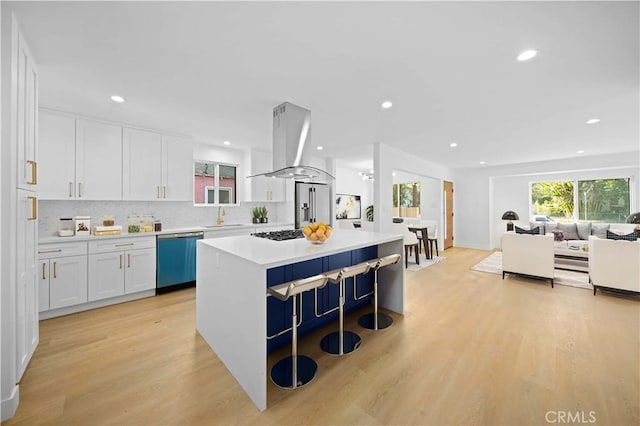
493 264
424 263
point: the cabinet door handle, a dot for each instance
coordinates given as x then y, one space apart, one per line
34 172
49 251
124 244
157 191
70 189
44 277
164 190
79 189
34 208
120 261
54 270
128 260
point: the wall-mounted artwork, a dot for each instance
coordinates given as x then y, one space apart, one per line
348 206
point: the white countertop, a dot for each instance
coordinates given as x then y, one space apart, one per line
271 253
206 228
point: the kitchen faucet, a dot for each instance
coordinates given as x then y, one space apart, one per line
220 215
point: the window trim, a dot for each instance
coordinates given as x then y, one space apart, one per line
216 185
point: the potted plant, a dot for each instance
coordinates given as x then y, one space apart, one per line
256 211
263 214
369 213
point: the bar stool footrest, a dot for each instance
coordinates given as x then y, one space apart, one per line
331 342
281 372
368 321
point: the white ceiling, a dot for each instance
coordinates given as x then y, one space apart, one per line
215 70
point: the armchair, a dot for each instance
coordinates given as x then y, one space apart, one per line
529 255
614 264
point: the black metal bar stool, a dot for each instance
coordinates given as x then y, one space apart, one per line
343 342
377 320
295 370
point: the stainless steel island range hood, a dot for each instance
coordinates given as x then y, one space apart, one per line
291 138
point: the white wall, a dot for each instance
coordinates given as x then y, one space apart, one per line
386 160
431 207
483 194
348 182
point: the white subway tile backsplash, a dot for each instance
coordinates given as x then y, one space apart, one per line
172 214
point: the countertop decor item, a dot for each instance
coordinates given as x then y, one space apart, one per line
510 215
317 233
83 225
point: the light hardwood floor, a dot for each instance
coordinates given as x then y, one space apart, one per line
470 349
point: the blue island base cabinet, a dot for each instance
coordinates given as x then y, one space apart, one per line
279 312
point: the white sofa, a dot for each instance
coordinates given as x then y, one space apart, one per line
572 252
614 264
530 255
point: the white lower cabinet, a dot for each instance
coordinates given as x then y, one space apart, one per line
121 266
62 275
106 275
140 274
67 277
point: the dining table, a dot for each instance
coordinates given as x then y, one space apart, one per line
423 230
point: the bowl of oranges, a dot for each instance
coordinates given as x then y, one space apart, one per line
317 233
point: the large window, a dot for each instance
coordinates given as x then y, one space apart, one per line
214 183
598 200
406 199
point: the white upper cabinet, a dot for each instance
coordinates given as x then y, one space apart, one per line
27 118
98 161
80 159
177 169
265 188
142 165
156 166
57 150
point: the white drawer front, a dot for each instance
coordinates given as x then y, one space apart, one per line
46 251
120 244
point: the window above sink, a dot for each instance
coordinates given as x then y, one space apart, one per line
214 183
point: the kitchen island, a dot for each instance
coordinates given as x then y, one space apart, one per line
234 272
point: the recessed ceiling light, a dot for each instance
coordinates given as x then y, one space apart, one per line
319 147
593 121
482 162
116 98
453 144
387 104
226 143
527 54
580 151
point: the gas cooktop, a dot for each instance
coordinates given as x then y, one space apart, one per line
285 234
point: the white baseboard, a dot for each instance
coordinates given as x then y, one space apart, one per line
10 405
472 246
96 304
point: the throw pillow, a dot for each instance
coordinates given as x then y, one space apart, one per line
534 231
599 229
558 235
540 226
569 230
628 237
584 230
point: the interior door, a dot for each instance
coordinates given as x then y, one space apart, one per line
448 214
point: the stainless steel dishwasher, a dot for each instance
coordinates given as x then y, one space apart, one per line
176 260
